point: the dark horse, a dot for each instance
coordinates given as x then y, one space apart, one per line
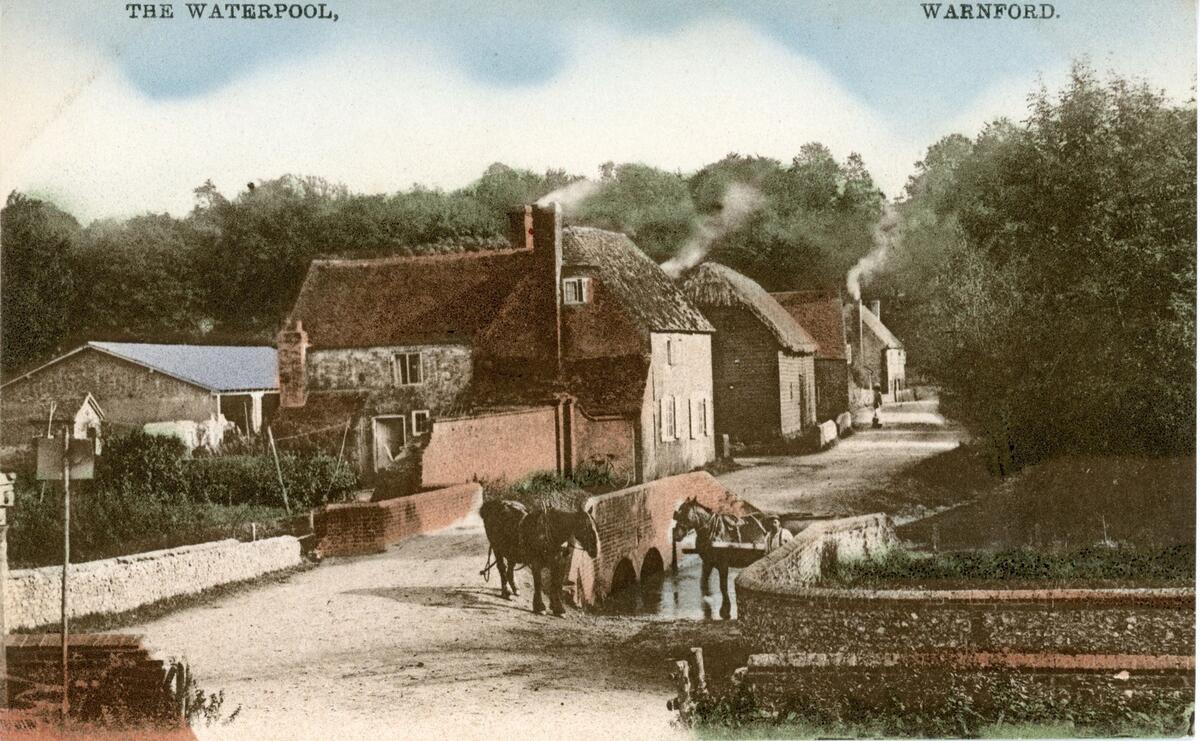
539 539
545 536
723 528
502 523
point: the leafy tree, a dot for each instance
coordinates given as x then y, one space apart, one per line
1069 272
652 206
138 280
36 285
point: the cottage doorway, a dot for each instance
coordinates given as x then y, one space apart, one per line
390 434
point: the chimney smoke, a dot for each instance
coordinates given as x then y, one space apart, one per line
737 203
884 237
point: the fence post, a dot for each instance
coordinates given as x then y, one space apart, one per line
683 691
698 665
278 470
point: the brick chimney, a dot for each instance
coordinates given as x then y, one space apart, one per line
291 353
875 309
546 238
520 227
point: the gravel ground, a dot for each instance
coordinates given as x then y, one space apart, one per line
847 478
413 644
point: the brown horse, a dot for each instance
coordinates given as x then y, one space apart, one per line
711 526
502 523
545 535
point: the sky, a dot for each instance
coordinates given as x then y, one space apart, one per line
109 116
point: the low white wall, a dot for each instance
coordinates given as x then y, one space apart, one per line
34 596
798 562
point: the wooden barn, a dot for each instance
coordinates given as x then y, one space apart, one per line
820 313
763 370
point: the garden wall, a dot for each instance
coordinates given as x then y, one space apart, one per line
504 446
33 596
355 528
986 641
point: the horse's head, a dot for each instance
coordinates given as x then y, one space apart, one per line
585 533
684 519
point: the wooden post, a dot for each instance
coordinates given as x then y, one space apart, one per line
253 531
683 690
66 478
278 471
698 666
3 624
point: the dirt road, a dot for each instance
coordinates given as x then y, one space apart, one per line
413 644
853 476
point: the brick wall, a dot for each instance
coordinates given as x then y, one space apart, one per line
781 609
994 687
113 585
604 439
502 446
128 393
632 522
107 670
355 528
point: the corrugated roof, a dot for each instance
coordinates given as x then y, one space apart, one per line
406 300
214 367
648 296
713 284
820 313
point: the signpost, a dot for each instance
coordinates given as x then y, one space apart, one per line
7 499
63 460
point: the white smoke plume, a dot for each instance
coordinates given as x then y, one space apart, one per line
885 238
737 202
570 195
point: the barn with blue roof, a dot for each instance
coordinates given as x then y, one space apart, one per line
136 383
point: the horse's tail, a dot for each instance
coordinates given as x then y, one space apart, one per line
488 563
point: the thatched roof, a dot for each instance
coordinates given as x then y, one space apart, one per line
645 292
714 285
426 299
820 313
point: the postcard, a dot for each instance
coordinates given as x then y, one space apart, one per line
489 369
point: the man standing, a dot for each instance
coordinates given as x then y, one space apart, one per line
776 535
878 402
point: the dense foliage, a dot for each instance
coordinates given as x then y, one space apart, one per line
148 494
1047 274
229 270
1043 274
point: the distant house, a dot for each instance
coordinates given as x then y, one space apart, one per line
138 383
820 313
875 351
763 369
570 348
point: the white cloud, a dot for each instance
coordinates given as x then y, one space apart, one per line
380 119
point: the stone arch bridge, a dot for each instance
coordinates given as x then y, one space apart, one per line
635 526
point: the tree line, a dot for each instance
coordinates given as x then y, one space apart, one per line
1042 273
229 270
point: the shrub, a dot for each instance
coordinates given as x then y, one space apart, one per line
149 494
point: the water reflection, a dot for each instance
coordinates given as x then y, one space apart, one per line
676 596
